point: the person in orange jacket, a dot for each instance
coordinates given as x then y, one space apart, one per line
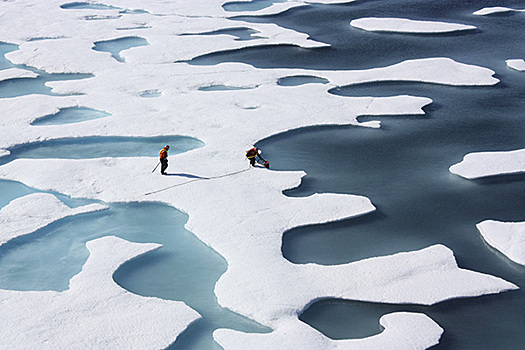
163 155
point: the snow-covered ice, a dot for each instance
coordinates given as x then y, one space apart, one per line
483 164
495 9
13 73
404 25
507 237
517 64
223 211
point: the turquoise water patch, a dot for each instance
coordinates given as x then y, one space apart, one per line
93 6
10 190
117 45
87 6
183 269
47 259
99 147
6 48
70 115
29 86
301 80
254 5
42 38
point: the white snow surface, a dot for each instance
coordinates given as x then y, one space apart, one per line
507 237
225 212
13 73
483 164
404 25
516 64
495 9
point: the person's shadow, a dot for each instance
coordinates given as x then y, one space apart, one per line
187 175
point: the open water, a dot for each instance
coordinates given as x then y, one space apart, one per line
403 167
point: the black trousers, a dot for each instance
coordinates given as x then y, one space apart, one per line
163 165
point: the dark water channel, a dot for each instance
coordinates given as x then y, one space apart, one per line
403 167
101 146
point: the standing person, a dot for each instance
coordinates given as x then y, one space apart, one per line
163 155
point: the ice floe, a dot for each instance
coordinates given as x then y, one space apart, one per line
95 312
517 64
483 164
507 237
494 10
14 73
404 25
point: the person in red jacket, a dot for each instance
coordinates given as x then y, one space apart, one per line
252 155
163 155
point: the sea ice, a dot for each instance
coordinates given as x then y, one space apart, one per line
493 10
403 25
482 164
507 237
517 64
15 73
